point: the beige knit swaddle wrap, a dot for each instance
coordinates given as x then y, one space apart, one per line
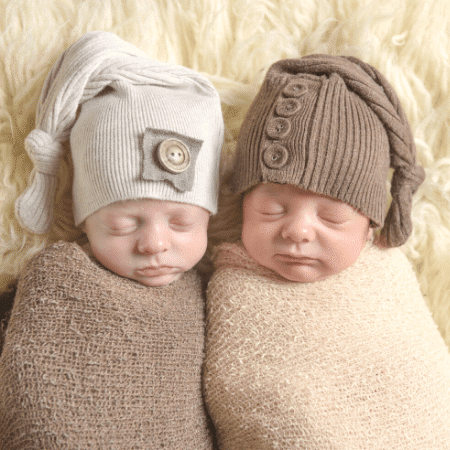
96 361
351 362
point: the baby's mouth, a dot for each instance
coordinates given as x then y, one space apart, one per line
295 259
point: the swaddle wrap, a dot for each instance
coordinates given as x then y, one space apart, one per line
96 361
351 362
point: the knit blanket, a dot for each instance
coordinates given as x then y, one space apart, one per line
96 361
352 362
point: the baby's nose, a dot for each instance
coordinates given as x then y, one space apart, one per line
153 240
299 228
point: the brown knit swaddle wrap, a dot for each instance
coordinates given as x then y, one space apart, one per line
93 360
351 362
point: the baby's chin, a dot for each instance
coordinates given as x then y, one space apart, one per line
159 280
303 276
301 272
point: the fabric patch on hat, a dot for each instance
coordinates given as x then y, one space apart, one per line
170 156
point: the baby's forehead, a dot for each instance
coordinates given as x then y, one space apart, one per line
292 192
148 206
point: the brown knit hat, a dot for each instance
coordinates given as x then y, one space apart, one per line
332 125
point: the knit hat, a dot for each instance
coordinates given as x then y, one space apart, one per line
138 128
332 125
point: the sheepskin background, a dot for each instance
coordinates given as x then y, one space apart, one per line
233 42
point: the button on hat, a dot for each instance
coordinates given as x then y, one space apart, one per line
275 156
174 156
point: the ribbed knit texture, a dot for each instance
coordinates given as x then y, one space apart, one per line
332 125
353 362
108 152
95 361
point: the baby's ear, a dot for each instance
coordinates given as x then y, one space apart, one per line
370 234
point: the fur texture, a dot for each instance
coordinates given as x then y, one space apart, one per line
233 42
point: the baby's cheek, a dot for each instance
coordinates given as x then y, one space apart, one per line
112 253
343 256
256 248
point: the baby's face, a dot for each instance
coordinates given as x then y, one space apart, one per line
301 235
150 241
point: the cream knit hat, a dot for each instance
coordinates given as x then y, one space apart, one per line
332 125
138 128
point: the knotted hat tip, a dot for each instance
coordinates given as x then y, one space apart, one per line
34 207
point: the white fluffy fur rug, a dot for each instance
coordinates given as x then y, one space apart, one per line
233 42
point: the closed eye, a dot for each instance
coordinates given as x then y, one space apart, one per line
181 223
334 221
337 218
272 214
180 226
122 227
122 231
335 212
270 208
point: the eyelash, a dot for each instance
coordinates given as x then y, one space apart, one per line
177 226
118 231
333 222
276 210
180 226
273 215
328 220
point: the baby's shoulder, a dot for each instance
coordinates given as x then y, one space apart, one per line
385 261
61 264
60 255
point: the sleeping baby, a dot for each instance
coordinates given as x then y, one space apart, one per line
105 344
318 336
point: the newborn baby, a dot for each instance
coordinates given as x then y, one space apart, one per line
316 337
105 344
